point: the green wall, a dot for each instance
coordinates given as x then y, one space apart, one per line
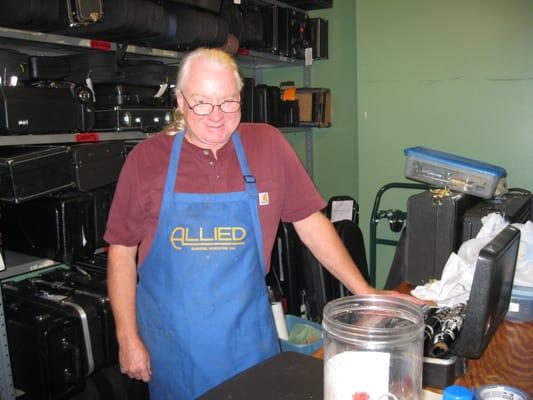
334 149
455 75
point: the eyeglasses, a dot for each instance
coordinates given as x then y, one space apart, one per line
203 109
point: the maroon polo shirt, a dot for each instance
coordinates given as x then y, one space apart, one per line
279 173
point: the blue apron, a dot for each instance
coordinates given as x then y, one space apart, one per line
202 305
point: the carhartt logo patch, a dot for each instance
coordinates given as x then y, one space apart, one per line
264 200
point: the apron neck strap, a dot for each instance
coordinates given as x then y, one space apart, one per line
249 179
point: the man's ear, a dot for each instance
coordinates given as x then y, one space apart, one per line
179 100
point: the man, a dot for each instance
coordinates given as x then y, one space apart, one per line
194 218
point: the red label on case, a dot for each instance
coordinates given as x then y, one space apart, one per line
101 45
88 137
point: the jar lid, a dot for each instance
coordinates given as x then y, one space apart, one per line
457 392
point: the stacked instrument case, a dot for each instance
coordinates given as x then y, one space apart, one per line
45 348
34 171
433 232
207 5
311 4
315 107
120 118
47 109
129 94
247 98
102 199
82 349
253 29
97 164
13 67
267 104
514 206
70 304
298 278
60 227
321 285
77 283
124 20
50 15
318 31
286 277
194 28
35 99
45 68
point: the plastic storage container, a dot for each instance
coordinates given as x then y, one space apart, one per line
301 348
454 172
494 392
373 348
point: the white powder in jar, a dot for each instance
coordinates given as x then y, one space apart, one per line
357 372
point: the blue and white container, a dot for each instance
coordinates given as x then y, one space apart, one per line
454 172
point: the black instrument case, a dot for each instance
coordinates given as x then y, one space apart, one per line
46 349
60 227
28 172
97 164
485 310
433 232
35 110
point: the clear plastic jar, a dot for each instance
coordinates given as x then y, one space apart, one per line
373 349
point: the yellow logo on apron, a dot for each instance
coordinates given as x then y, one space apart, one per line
217 238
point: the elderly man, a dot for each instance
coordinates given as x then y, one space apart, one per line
191 230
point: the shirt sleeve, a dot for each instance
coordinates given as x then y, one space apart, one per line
301 197
125 219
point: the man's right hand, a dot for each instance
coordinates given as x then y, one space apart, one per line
135 360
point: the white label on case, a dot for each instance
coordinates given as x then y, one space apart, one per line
514 307
308 56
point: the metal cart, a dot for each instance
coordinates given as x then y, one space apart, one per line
395 217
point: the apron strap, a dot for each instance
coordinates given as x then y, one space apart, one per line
172 171
249 179
253 195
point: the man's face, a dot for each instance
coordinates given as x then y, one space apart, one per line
208 84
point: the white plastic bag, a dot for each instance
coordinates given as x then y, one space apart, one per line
458 273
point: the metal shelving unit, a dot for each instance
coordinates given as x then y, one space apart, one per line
39 43
71 137
18 264
7 390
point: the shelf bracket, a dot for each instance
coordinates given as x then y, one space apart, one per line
7 390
